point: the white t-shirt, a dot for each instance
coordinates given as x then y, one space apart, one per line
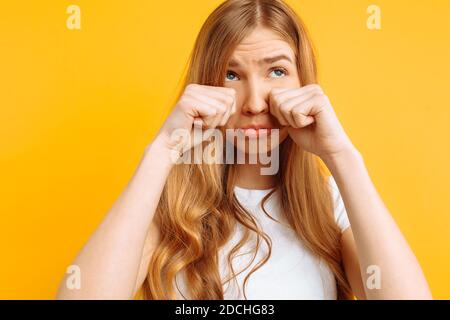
291 272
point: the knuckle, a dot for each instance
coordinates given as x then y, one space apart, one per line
192 86
220 108
276 99
229 100
231 91
321 98
187 107
298 115
187 94
212 112
284 108
184 101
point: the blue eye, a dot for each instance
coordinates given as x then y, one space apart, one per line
230 75
278 72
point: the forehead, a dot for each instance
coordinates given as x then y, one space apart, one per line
260 43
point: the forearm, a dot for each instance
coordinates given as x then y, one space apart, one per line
110 260
379 241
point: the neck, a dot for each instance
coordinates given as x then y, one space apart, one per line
248 176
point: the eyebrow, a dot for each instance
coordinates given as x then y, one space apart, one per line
267 60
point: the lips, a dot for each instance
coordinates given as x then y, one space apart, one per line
254 131
256 126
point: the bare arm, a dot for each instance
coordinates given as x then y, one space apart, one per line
378 240
110 260
351 264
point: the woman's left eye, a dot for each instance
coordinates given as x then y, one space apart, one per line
278 72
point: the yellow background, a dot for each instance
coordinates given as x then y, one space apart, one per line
77 108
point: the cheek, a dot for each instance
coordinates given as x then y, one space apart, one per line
283 134
291 81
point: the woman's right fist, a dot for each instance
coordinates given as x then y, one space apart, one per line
199 105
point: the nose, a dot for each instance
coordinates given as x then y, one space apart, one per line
256 99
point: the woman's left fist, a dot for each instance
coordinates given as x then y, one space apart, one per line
311 120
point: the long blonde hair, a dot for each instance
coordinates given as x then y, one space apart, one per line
198 209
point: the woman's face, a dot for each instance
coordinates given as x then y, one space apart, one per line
261 62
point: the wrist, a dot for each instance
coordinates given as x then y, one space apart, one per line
346 156
162 151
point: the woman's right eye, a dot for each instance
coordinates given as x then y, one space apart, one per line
231 76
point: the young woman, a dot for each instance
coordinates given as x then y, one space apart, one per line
227 231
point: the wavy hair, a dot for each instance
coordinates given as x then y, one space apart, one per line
198 209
